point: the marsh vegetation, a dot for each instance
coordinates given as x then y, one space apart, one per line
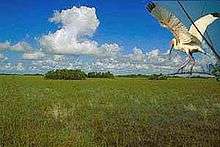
109 112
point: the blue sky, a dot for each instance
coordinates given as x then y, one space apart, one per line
125 23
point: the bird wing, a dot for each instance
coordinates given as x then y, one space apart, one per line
202 24
170 21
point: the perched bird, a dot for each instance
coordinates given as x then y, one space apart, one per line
185 40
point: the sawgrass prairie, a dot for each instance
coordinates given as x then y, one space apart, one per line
109 112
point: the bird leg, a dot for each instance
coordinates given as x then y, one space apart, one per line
193 63
184 64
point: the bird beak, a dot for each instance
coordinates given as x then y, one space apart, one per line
170 51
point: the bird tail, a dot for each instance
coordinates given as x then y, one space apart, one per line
216 15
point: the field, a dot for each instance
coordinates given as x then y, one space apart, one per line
109 112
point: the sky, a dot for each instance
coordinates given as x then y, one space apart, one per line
93 35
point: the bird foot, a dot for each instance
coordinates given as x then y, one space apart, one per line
180 70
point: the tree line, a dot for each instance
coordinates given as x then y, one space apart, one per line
70 74
149 77
216 72
100 75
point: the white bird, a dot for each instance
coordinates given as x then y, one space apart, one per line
188 41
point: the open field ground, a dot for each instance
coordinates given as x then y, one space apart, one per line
109 112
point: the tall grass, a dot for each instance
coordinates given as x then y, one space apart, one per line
109 112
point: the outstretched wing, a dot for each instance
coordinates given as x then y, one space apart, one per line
170 21
202 24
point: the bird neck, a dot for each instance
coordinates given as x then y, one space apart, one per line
175 45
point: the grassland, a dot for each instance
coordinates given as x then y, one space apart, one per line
109 112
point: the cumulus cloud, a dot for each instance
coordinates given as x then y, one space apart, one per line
3 58
33 55
21 46
12 67
18 47
137 55
7 66
72 38
58 57
4 45
19 67
138 62
153 61
71 44
77 25
109 49
80 21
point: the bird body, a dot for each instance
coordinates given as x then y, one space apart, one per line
185 40
194 46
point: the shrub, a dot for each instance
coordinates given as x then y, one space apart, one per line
157 77
215 70
65 74
100 75
134 76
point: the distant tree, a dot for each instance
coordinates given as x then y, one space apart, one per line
134 76
157 77
216 72
91 74
65 74
100 75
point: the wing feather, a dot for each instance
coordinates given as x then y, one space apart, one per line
170 21
202 23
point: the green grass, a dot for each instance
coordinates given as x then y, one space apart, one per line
109 112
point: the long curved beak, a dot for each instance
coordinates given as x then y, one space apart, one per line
171 49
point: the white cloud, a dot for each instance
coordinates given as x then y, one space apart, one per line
12 67
109 49
79 21
137 55
72 38
18 47
19 67
77 25
8 65
21 47
4 45
136 62
153 54
58 57
3 58
33 56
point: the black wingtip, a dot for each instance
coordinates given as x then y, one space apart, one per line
150 6
215 14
